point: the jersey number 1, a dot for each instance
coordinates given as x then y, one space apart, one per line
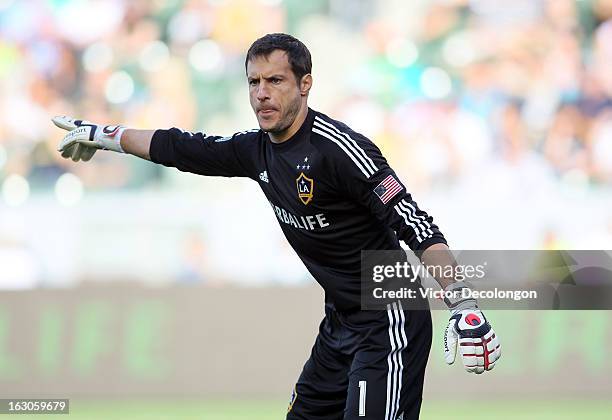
362 398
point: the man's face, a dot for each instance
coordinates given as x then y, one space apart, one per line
273 91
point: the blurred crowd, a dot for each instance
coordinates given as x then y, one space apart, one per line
487 104
442 86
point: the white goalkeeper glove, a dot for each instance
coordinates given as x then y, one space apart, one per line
469 329
85 138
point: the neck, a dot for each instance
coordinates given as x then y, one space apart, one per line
292 129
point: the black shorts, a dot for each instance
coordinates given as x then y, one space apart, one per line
365 365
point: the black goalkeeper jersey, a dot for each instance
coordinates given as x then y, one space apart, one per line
330 188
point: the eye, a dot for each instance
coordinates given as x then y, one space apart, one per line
253 82
275 81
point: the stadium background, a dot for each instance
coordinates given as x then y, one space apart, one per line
496 114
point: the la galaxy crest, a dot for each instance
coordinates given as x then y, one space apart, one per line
305 188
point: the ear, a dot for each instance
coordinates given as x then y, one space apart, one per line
305 84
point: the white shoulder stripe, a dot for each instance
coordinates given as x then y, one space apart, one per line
356 150
252 130
239 133
343 147
345 137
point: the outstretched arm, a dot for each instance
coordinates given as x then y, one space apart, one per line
189 152
137 142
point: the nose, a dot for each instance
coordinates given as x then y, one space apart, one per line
262 92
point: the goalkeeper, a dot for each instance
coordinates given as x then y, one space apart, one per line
334 195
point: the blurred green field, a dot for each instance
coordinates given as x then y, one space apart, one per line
269 410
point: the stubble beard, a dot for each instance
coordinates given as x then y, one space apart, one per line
287 118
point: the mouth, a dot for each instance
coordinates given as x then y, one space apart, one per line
266 112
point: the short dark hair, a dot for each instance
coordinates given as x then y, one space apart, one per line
297 53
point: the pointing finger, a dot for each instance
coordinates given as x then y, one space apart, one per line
64 122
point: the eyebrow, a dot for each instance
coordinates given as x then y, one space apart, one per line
274 76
